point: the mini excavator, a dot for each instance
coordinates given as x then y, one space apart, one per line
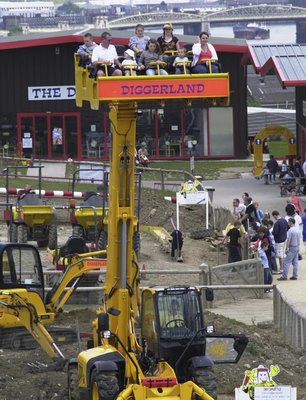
168 358
25 308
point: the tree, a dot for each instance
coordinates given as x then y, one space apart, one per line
69 8
15 30
163 6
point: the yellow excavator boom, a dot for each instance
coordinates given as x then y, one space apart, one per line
14 304
116 366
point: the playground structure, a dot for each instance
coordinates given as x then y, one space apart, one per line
265 133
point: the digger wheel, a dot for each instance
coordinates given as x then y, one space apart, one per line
14 233
102 242
104 385
52 237
136 243
77 231
12 341
202 233
22 234
205 377
73 385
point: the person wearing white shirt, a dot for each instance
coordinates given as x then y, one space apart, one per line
238 209
292 251
304 167
202 52
107 54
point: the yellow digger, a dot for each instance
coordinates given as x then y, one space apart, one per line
165 360
24 303
89 219
30 219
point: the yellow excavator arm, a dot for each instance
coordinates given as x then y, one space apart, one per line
22 302
115 367
14 304
81 265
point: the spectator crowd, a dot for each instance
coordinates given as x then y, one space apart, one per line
273 238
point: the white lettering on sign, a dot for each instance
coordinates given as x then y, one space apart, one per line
51 93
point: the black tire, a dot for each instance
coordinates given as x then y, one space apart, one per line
22 234
52 237
102 242
13 341
202 233
136 243
104 385
14 233
73 384
205 377
77 231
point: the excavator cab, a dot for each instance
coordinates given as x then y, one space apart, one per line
20 268
173 330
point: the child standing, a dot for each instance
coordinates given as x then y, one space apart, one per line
129 64
151 58
180 62
268 278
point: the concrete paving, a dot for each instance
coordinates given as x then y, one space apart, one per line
269 199
268 196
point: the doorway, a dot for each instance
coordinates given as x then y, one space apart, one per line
50 136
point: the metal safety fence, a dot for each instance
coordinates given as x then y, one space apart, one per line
290 320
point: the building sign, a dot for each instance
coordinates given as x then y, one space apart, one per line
51 93
157 87
27 143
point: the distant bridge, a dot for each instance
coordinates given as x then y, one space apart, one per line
262 12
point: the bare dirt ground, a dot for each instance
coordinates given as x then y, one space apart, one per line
19 380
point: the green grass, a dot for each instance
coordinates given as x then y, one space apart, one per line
47 184
279 148
18 178
207 169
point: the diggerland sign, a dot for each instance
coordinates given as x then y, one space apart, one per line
128 89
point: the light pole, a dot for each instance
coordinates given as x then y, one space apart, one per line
194 143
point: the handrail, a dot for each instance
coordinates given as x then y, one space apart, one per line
6 171
187 175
